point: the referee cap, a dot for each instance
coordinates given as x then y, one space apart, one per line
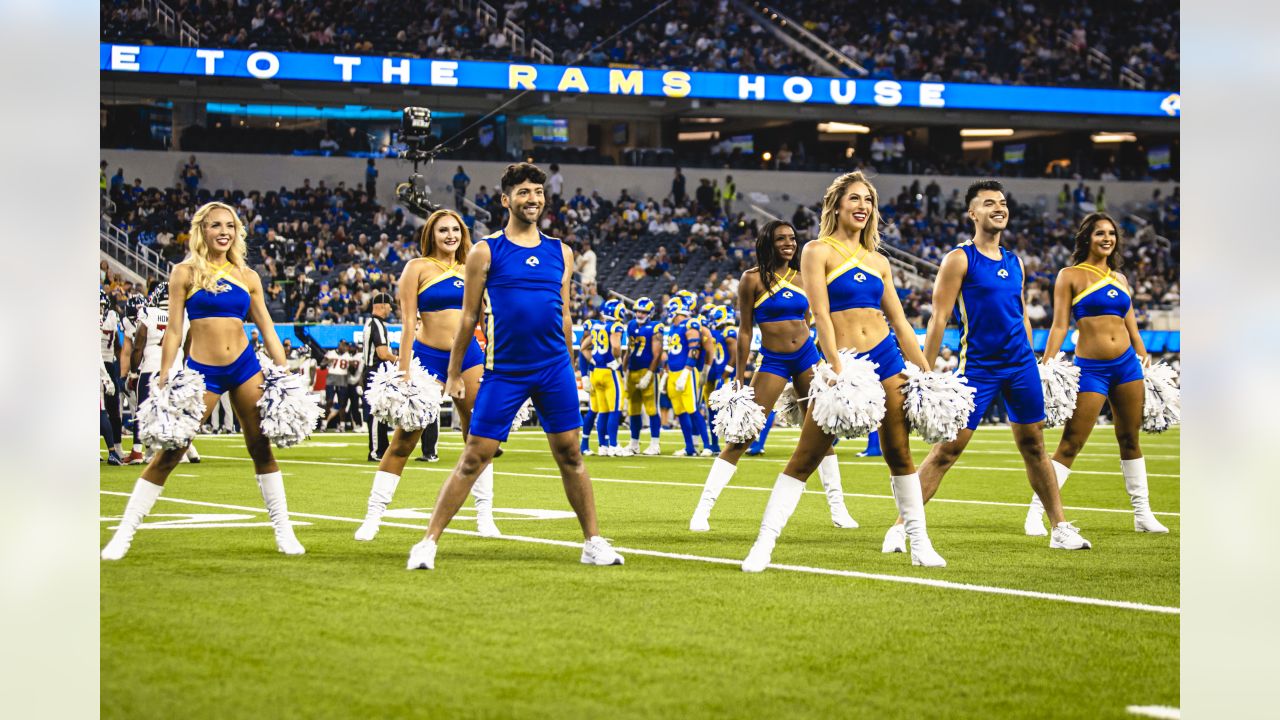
382 298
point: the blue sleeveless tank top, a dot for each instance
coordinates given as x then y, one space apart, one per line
524 322
783 301
231 300
852 284
443 292
1106 296
989 312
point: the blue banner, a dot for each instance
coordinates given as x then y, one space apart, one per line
473 74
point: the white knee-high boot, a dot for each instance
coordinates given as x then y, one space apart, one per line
782 503
721 473
141 500
482 491
380 495
272 486
910 500
1135 482
1034 524
829 474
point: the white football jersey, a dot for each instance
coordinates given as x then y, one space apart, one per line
108 327
156 321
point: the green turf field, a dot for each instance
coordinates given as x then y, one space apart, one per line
209 621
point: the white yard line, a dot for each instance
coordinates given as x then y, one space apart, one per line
1162 712
928 582
672 483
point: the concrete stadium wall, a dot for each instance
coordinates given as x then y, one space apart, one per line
783 190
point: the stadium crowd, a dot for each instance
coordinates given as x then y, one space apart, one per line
324 251
989 41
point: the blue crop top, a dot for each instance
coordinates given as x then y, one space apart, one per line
231 300
442 292
783 301
852 284
1106 296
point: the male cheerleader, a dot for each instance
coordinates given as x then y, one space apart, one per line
645 334
525 276
983 284
607 357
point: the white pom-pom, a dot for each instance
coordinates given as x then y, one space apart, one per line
788 412
1061 382
739 419
410 404
850 404
171 415
286 411
938 404
523 414
1162 407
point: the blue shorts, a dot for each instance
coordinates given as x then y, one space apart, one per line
436 361
1019 387
554 390
788 365
887 356
221 378
1099 376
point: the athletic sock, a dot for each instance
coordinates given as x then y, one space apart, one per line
655 426
686 427
615 419
635 423
587 421
141 500
758 444
602 429
721 473
711 428
700 427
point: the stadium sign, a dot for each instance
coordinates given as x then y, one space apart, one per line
264 65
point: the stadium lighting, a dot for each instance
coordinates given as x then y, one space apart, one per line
698 136
1114 137
839 128
986 132
848 152
976 145
767 156
704 120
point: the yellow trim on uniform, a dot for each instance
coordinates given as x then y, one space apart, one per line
489 344
492 235
220 274
964 333
1106 279
852 260
449 272
783 282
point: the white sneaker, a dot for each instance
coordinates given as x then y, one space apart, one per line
924 555
368 529
653 449
598 551
841 518
605 451
623 452
287 542
1067 537
587 452
706 452
680 453
760 555
1033 525
895 541
486 526
1148 523
423 556
634 447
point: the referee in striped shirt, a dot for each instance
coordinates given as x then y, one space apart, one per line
376 350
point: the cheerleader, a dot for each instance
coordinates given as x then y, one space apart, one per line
430 289
1110 355
855 306
216 291
770 296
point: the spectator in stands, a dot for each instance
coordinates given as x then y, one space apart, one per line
585 266
555 183
371 178
460 182
328 144
727 195
677 188
191 175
